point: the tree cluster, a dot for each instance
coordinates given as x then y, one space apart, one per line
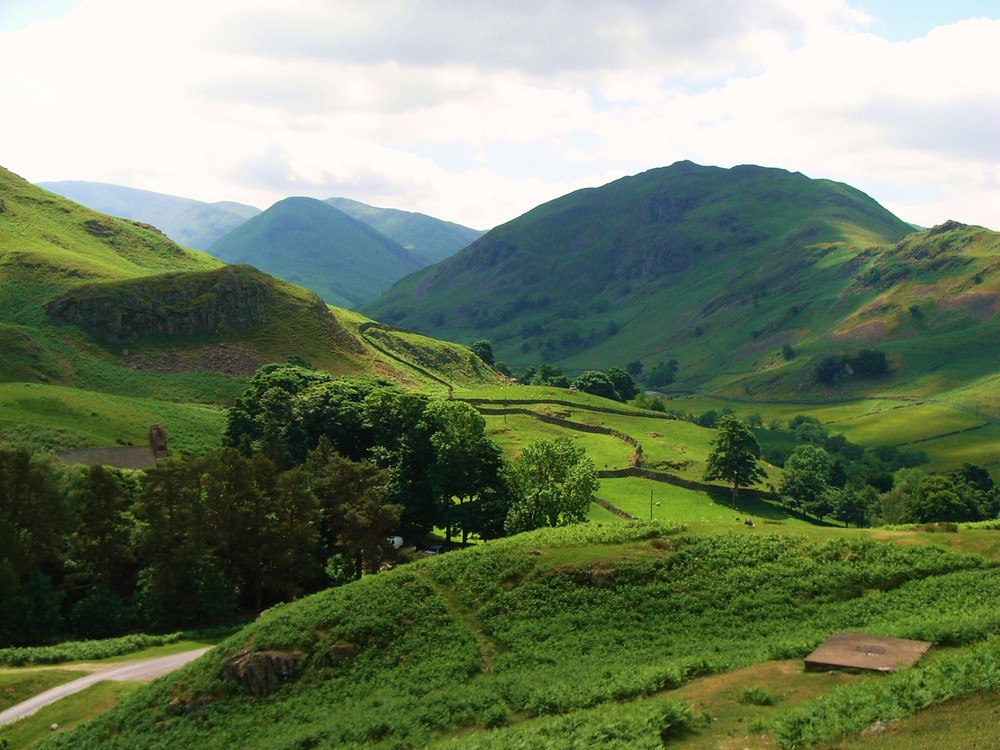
433 451
814 482
868 364
192 540
316 474
844 481
544 374
663 374
964 494
615 384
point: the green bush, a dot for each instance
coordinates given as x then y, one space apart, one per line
756 696
84 650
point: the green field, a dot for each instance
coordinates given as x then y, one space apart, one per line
698 510
83 419
948 433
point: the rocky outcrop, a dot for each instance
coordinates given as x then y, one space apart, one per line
260 672
233 298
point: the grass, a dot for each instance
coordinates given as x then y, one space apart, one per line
17 685
948 433
935 727
616 631
88 419
682 505
67 713
513 432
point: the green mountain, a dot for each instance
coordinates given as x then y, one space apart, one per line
311 243
720 269
188 222
432 240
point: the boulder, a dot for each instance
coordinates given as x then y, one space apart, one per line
260 672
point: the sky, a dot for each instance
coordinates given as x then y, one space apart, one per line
477 111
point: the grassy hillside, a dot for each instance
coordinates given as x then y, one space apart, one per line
109 313
582 636
188 222
751 279
432 240
312 244
645 266
48 244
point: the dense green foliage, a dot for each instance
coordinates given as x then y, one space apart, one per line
964 494
510 642
663 374
868 363
735 455
103 552
88 650
434 452
553 482
484 350
544 374
805 483
615 384
851 709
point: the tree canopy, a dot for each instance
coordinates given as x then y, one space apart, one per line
433 451
553 482
807 479
735 455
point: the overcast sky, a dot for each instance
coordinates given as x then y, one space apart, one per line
475 112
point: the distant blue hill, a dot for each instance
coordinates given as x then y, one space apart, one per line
310 243
187 222
428 238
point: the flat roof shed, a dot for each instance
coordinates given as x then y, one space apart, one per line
859 651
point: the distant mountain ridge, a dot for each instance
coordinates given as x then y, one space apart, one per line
310 243
99 313
428 238
188 222
201 225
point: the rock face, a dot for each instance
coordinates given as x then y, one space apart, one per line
187 304
260 672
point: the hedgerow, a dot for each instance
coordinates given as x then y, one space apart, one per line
84 650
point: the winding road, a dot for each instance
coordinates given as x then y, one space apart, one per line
132 671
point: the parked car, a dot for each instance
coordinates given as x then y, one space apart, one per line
435 549
396 542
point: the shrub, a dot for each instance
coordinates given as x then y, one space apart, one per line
676 718
756 696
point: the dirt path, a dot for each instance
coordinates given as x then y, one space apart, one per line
136 671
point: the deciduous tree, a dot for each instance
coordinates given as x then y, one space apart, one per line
806 479
553 482
597 384
735 455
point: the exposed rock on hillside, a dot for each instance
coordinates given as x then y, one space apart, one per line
234 298
260 672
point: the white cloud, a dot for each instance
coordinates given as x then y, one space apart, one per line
477 112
